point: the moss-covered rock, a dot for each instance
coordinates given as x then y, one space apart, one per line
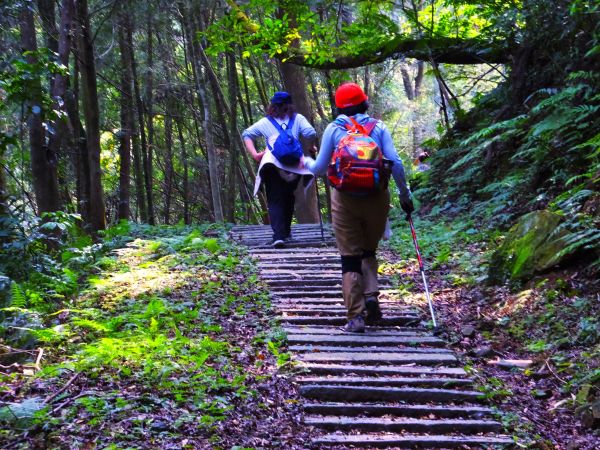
534 244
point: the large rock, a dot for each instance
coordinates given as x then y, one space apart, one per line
533 245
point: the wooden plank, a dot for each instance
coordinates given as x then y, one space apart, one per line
341 311
358 340
315 320
387 394
410 425
376 370
410 441
377 410
371 331
385 381
379 358
366 348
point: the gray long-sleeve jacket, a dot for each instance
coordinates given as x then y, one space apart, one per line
264 128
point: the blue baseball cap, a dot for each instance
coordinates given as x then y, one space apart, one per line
281 97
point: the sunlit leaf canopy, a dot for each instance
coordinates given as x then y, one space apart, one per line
344 33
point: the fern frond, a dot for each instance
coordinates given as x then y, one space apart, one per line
18 298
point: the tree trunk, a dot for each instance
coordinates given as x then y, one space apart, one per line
48 16
230 194
43 162
168 159
60 83
150 123
317 101
295 84
92 117
81 149
140 149
213 172
186 183
126 125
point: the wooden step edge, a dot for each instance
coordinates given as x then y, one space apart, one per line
397 424
386 381
411 370
337 393
415 410
409 441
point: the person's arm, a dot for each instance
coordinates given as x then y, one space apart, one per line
319 167
389 152
305 129
253 132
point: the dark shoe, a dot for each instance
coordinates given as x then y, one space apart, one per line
278 243
289 238
374 314
355 325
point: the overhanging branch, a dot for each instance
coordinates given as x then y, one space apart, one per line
440 49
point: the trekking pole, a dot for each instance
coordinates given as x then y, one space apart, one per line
421 268
319 208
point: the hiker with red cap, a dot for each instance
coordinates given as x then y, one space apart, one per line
280 170
358 154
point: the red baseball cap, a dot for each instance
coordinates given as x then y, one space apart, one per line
349 94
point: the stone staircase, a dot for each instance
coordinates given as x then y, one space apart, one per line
396 385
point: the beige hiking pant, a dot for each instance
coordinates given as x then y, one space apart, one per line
359 223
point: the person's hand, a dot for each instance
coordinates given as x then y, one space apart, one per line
407 205
258 156
313 151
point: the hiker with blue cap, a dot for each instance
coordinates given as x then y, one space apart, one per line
280 170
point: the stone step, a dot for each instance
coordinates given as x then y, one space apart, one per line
376 358
409 441
335 393
410 425
357 340
370 331
375 370
316 320
365 348
401 410
428 381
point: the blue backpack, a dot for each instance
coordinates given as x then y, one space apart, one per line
287 149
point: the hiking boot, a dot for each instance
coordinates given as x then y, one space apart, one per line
373 310
355 325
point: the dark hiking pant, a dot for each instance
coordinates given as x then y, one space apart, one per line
280 200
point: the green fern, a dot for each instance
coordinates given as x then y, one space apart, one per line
18 296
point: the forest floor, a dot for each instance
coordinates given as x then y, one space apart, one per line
552 321
173 344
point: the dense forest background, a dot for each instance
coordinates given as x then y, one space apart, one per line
123 112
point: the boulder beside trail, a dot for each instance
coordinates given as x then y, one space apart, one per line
533 245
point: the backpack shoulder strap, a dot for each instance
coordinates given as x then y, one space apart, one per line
370 126
290 122
276 125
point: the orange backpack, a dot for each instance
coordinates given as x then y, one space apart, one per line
357 164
